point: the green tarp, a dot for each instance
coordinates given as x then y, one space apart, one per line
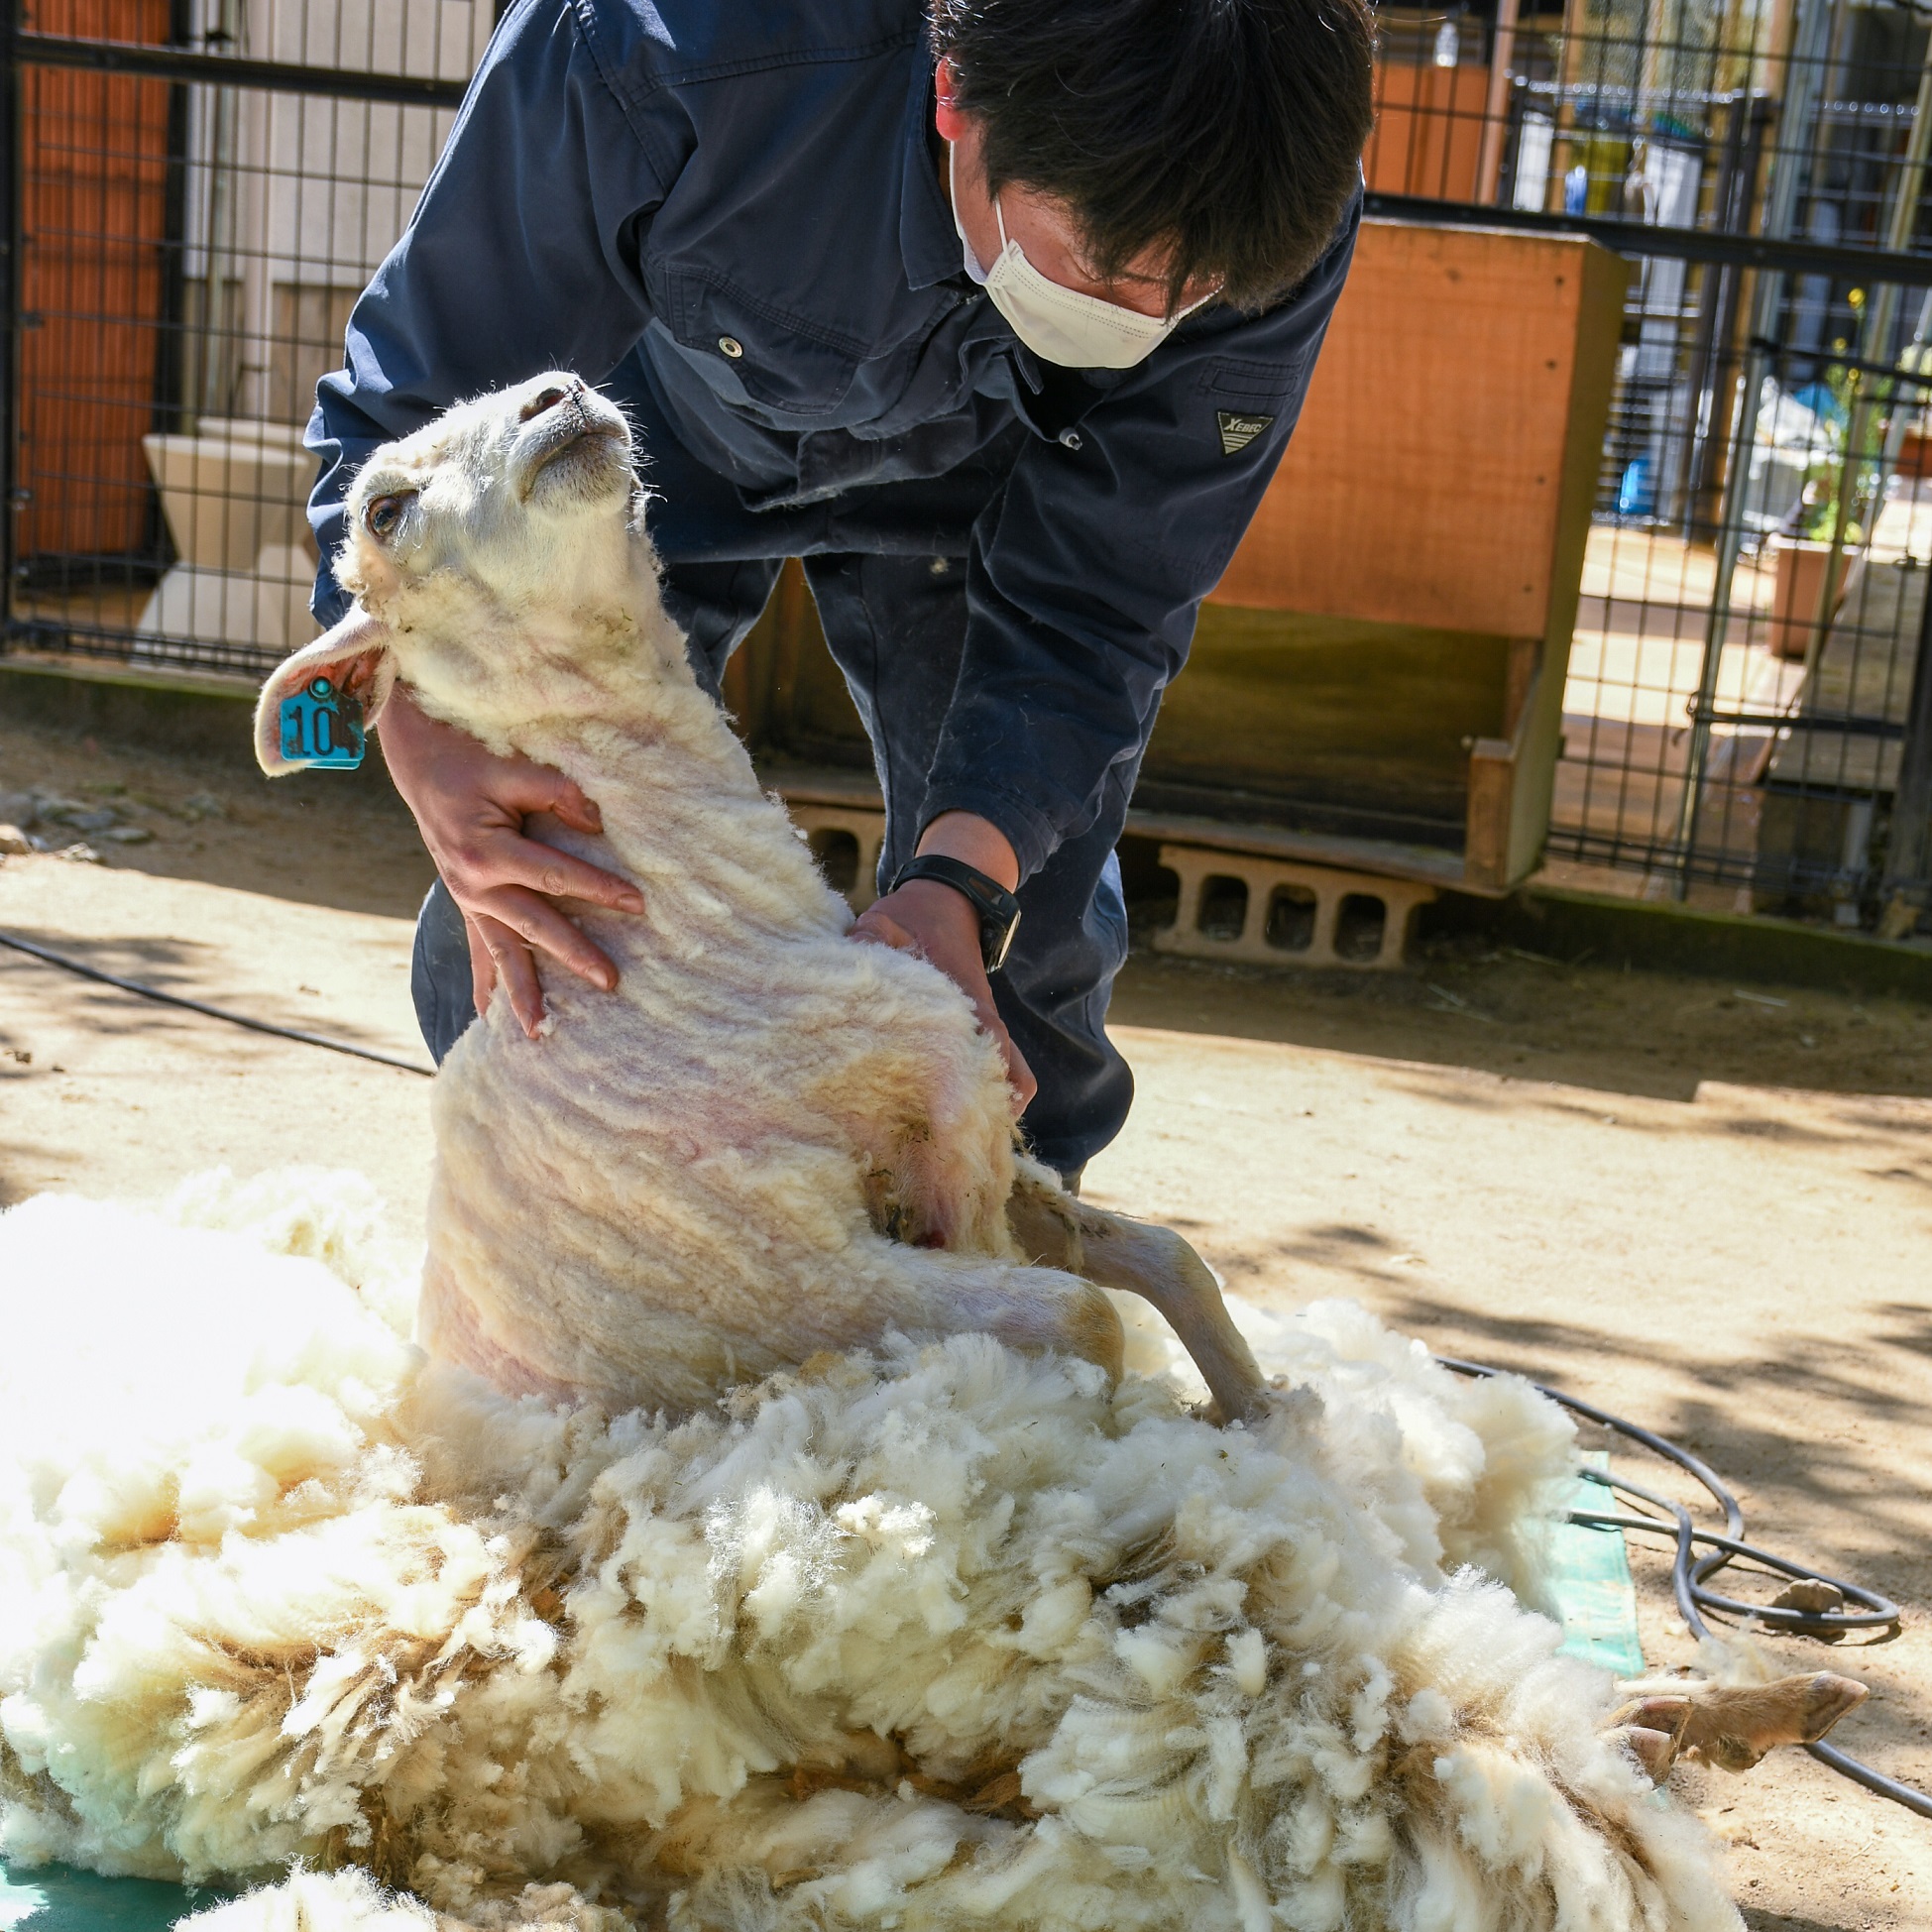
1594 1590
54 1898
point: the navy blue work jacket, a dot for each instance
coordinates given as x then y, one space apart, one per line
736 202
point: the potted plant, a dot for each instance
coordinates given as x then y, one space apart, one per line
1799 558
1824 526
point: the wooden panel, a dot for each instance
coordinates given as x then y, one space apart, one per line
1429 131
1368 721
1424 483
1536 734
1486 836
309 320
93 189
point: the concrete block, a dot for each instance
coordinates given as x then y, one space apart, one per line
846 841
1271 912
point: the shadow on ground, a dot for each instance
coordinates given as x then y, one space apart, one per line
344 840
181 967
1757 1921
1515 1015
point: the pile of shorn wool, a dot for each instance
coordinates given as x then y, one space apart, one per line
941 1638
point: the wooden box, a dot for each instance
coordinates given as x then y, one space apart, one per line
1384 657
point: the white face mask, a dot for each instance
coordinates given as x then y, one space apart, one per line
1061 326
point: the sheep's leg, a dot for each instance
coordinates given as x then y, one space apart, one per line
1733 1726
1152 1262
1026 1307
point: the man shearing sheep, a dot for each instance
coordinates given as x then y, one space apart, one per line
998 315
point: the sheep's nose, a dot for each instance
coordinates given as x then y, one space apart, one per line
547 398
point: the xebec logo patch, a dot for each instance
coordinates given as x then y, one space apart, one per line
1238 432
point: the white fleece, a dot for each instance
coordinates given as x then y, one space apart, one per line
937 1637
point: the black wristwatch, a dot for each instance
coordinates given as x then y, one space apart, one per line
998 910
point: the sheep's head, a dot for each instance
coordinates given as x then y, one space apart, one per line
465 529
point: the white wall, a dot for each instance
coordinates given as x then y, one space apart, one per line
314 190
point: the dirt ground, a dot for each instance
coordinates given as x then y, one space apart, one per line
1705 1207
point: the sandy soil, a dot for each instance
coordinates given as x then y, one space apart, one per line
1706 1206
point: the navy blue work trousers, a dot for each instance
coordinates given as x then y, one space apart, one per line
887 571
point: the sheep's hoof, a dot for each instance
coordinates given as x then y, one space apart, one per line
1733 1726
1655 1750
1667 1713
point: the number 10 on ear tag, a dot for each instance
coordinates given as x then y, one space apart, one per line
321 725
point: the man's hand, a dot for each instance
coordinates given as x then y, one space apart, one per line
470 806
941 925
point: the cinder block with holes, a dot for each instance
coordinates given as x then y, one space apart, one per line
845 839
1266 912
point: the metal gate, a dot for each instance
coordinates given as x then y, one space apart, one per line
194 192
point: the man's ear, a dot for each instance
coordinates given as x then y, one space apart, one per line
355 657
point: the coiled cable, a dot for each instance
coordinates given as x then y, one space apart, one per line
1689 1571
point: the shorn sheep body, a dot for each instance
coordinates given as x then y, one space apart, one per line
767 1141
949 1611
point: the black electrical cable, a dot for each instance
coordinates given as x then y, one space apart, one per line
48 956
1688 1571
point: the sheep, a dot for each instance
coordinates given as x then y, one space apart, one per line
767 1141
926 1636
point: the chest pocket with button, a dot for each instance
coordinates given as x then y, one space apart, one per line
783 361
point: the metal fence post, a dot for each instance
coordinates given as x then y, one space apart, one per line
11 162
1797 123
1903 887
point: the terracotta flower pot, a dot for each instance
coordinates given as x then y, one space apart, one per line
1800 577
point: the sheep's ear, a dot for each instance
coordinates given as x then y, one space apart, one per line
355 656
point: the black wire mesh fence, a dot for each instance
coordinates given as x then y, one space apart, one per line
201 188
195 191
1748 709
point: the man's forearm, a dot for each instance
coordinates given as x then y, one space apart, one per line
974 842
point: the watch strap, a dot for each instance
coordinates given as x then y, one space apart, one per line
998 910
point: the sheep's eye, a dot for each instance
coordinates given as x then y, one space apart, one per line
383 516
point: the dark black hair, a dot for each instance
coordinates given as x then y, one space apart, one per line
1228 131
